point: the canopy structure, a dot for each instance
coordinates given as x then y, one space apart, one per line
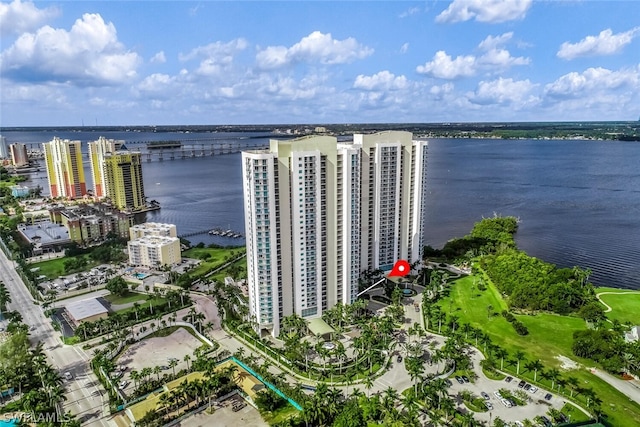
320 327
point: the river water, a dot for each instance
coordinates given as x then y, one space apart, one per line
578 201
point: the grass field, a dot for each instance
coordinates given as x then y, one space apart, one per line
625 304
54 268
127 298
211 257
549 336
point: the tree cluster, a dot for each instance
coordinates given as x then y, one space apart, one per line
533 284
520 328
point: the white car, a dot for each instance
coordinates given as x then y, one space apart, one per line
68 376
533 389
123 385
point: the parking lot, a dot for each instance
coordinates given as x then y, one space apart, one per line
536 402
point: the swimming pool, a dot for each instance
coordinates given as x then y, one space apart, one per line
141 275
8 423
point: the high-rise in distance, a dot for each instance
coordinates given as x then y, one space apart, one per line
318 212
117 174
98 150
65 173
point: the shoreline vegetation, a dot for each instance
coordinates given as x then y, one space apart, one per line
567 329
614 131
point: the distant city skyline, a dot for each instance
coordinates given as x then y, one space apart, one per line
245 62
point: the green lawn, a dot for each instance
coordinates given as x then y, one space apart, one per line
625 304
211 257
219 276
470 305
54 268
550 335
127 298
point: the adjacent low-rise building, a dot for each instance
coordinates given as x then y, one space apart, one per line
88 310
45 236
89 223
152 229
154 251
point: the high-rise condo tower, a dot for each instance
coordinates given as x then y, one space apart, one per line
319 212
65 173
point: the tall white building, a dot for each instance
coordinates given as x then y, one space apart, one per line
318 212
4 148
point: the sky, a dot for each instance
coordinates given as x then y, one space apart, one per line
68 63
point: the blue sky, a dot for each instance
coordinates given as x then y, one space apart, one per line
242 62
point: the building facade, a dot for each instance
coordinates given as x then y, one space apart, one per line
65 173
98 150
152 229
19 155
4 149
90 223
123 183
318 212
154 251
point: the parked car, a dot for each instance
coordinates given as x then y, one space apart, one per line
497 394
68 376
123 385
484 395
533 389
508 379
506 403
527 387
399 359
548 396
465 378
459 379
521 384
488 405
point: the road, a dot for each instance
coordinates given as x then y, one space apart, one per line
84 398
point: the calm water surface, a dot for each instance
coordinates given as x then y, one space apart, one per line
578 201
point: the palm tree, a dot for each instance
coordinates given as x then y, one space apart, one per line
553 375
518 356
535 365
501 353
135 376
573 384
368 383
5 297
187 358
156 370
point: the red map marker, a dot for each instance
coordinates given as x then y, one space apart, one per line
401 268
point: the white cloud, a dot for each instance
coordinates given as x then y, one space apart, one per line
409 12
18 17
215 58
593 81
404 48
440 91
218 51
605 43
501 59
159 58
490 11
444 67
88 54
384 80
314 48
493 42
502 91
